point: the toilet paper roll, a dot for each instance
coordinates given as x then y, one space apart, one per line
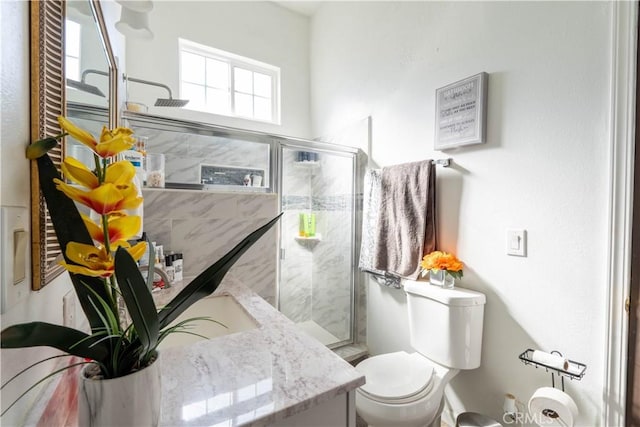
551 360
552 407
509 405
574 369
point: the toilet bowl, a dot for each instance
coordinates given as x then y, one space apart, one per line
407 389
402 390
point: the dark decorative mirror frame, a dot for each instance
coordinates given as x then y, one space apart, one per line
48 101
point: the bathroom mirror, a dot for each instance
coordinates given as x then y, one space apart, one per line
86 75
49 97
86 62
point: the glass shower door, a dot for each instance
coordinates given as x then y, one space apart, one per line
317 242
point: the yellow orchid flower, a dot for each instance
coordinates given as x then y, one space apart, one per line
120 173
104 199
137 250
114 141
79 173
95 230
119 228
130 198
111 142
113 146
80 135
94 261
91 261
110 134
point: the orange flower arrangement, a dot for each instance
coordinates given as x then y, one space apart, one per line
438 260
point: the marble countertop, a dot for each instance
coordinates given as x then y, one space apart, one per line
251 378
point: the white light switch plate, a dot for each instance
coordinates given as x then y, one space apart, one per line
517 242
14 255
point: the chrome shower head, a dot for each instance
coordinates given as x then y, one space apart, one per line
171 102
85 87
161 102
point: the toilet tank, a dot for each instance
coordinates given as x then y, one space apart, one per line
445 325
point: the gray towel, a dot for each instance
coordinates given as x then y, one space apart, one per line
406 226
370 213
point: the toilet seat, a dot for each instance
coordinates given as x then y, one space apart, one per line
396 378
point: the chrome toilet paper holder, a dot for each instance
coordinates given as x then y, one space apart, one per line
575 370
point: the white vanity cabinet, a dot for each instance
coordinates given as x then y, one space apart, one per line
340 411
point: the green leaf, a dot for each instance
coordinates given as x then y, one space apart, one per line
209 280
32 366
40 382
138 299
41 147
69 227
456 274
69 340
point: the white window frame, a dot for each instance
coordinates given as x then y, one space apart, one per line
69 21
234 60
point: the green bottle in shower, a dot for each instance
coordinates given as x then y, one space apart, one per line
302 225
307 225
311 225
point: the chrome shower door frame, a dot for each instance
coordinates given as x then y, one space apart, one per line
282 143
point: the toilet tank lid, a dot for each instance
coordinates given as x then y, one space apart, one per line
453 297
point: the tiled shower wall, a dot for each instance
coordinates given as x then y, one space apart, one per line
185 152
295 266
315 281
205 225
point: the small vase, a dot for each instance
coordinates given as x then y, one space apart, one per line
442 278
130 400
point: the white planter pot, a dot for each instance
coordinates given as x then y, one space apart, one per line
133 400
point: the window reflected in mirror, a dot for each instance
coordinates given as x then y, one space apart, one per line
87 68
86 74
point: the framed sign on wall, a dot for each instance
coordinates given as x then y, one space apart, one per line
461 112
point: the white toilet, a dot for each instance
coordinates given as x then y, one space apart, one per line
407 389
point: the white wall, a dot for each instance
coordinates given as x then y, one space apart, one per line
543 168
259 30
46 304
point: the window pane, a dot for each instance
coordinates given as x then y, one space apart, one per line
262 108
192 68
195 95
72 68
262 85
221 82
72 38
217 74
218 101
243 80
244 105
